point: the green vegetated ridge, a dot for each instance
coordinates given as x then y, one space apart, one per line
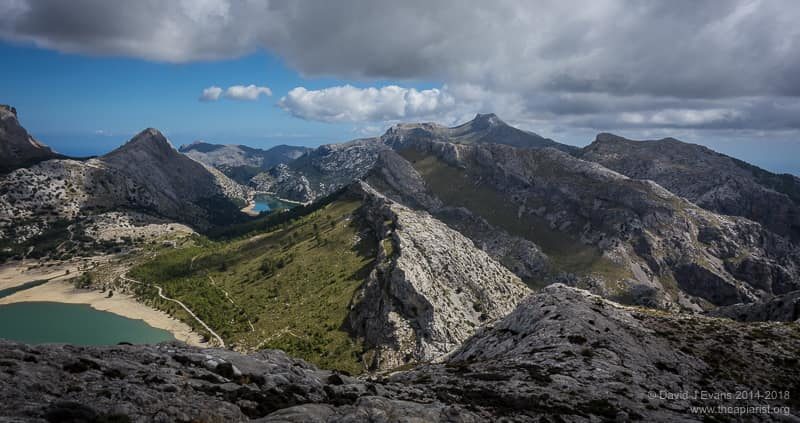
458 187
292 281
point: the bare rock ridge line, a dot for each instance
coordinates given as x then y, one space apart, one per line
187 309
431 287
540 361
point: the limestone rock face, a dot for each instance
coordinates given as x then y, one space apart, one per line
562 355
431 288
397 179
17 147
565 352
709 179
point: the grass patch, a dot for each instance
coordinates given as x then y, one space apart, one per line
293 283
458 187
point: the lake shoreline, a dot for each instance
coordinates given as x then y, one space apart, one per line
60 291
250 209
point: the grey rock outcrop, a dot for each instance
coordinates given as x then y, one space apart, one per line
17 147
321 171
565 352
430 289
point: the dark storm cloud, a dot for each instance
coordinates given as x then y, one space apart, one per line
590 63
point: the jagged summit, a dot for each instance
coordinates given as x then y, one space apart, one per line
150 135
17 147
5 108
484 121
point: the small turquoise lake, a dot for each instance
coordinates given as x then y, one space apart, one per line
79 324
266 203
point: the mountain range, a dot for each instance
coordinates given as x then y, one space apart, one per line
240 162
468 273
145 179
587 217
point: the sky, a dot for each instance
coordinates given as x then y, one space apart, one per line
86 75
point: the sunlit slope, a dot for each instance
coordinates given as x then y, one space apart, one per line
287 287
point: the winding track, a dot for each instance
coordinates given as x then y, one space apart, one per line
161 294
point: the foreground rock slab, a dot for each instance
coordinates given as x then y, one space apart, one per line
562 355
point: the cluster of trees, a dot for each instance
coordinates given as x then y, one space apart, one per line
272 264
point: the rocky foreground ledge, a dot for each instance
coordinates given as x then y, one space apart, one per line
562 355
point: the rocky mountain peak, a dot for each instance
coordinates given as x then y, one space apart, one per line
6 109
150 142
150 135
488 120
609 137
17 147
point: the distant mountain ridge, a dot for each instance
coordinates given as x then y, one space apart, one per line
712 180
484 128
551 214
330 167
241 162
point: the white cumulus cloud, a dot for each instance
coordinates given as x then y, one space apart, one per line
235 92
211 93
248 93
351 104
